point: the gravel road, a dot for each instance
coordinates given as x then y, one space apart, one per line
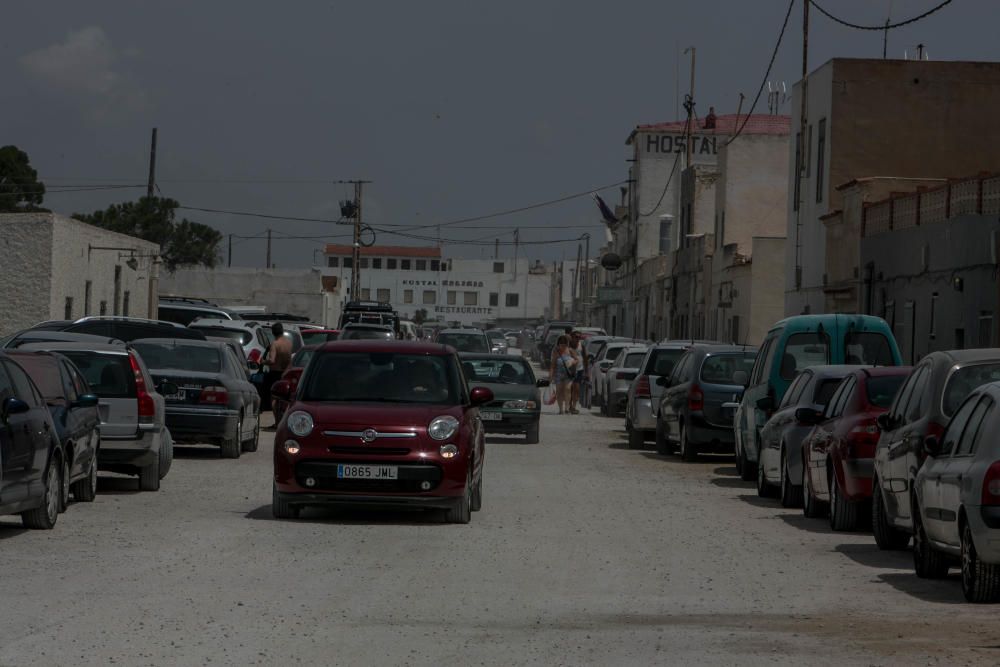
584 553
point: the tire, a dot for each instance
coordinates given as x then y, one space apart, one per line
251 444
531 435
85 490
281 509
688 451
636 438
980 581
461 511
149 476
791 495
887 536
747 470
45 517
166 453
477 495
64 487
231 447
811 507
927 563
764 489
738 458
662 446
843 513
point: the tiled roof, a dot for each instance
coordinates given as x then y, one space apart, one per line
384 251
725 124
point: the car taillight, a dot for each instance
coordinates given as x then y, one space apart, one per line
147 407
991 485
696 398
642 387
935 429
254 356
214 395
293 381
863 434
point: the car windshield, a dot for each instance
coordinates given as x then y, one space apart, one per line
179 357
963 381
633 359
882 389
495 336
803 350
382 377
364 333
109 375
661 362
302 357
867 348
501 371
241 336
465 342
720 368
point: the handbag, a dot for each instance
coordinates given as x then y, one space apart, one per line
549 395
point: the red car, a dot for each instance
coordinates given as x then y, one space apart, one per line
291 375
840 451
318 336
384 424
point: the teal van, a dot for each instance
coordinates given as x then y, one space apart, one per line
795 343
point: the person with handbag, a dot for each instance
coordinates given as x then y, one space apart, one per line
562 372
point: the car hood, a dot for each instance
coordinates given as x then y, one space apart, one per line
392 416
506 392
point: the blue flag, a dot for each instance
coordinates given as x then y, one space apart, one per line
606 213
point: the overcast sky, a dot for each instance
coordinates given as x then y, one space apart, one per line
452 109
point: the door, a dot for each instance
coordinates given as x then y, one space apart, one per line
675 397
903 445
16 450
85 421
954 474
32 430
248 393
751 417
930 493
823 443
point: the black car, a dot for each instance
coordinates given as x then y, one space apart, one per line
73 407
31 476
122 328
214 401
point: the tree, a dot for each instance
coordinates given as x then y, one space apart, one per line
152 219
19 182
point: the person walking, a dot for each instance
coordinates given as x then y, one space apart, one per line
562 372
278 359
576 345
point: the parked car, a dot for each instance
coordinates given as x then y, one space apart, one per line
792 345
838 454
73 408
517 405
213 401
134 437
691 413
465 340
184 311
926 401
404 432
292 375
252 337
645 391
547 341
122 328
498 342
31 457
319 336
598 369
779 465
618 377
956 504
362 331
29 336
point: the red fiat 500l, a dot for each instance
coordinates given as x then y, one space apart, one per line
381 423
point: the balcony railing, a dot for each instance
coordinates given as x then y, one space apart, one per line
973 196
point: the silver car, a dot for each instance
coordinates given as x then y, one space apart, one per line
618 378
956 513
134 436
645 391
498 342
598 368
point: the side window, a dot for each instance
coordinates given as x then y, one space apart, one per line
79 383
839 400
680 371
95 327
795 389
23 388
850 388
757 363
970 436
831 407
915 403
768 363
956 426
903 395
6 387
72 393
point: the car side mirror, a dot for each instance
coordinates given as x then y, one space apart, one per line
253 366
480 395
741 378
14 406
542 383
662 381
168 388
85 401
765 403
808 416
885 421
282 389
932 446
605 365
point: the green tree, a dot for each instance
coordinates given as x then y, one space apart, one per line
20 189
153 219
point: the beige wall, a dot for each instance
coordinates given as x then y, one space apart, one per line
766 287
752 190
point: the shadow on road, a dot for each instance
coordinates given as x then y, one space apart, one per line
757 501
726 471
197 452
731 483
945 591
505 440
345 516
818 525
8 530
870 555
117 485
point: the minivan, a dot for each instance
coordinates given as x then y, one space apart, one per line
795 343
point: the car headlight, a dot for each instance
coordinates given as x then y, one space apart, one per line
300 423
520 404
442 428
449 451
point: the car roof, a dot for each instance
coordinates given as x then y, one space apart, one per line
58 346
965 356
832 370
463 330
119 318
397 346
490 357
717 348
46 335
884 371
183 341
367 325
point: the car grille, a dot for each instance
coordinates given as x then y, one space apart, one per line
325 475
370 451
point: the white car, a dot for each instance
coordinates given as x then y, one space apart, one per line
254 337
599 366
619 376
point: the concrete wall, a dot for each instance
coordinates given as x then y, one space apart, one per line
766 283
752 191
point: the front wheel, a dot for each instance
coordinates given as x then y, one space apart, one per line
843 513
149 476
927 563
688 451
461 511
251 444
764 488
477 495
980 581
280 508
747 469
231 447
791 495
531 435
635 437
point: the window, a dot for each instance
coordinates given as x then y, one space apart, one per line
383 295
377 263
720 368
963 381
833 408
867 348
435 265
795 389
512 300
407 296
364 262
665 226
820 149
966 443
451 297
798 170
985 328
934 298
22 385
104 307
430 297
333 262
825 390
87 288
471 298
955 427
68 311
444 265
758 363
902 402
807 151
366 294
497 267
390 263
803 350
125 302
348 262
494 299
883 388
421 265
404 264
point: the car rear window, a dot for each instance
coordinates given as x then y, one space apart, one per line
502 371
302 357
109 375
826 390
662 362
867 348
241 336
44 371
881 390
382 377
963 381
179 357
317 337
804 350
359 333
633 359
465 342
719 368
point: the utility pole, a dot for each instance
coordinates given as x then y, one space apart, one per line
690 108
267 263
356 250
516 240
229 260
151 186
496 248
804 93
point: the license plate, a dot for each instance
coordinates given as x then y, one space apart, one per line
179 396
491 416
345 471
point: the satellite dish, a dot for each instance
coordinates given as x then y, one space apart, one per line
611 262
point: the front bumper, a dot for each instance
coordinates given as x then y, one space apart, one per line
513 421
194 424
426 502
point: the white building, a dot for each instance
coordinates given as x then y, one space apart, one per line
464 291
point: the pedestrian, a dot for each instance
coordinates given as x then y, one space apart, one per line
278 359
576 345
562 371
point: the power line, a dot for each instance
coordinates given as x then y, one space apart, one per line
774 54
670 177
266 216
885 26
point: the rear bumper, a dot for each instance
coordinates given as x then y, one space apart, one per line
985 524
708 436
139 452
190 424
858 474
642 414
512 422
